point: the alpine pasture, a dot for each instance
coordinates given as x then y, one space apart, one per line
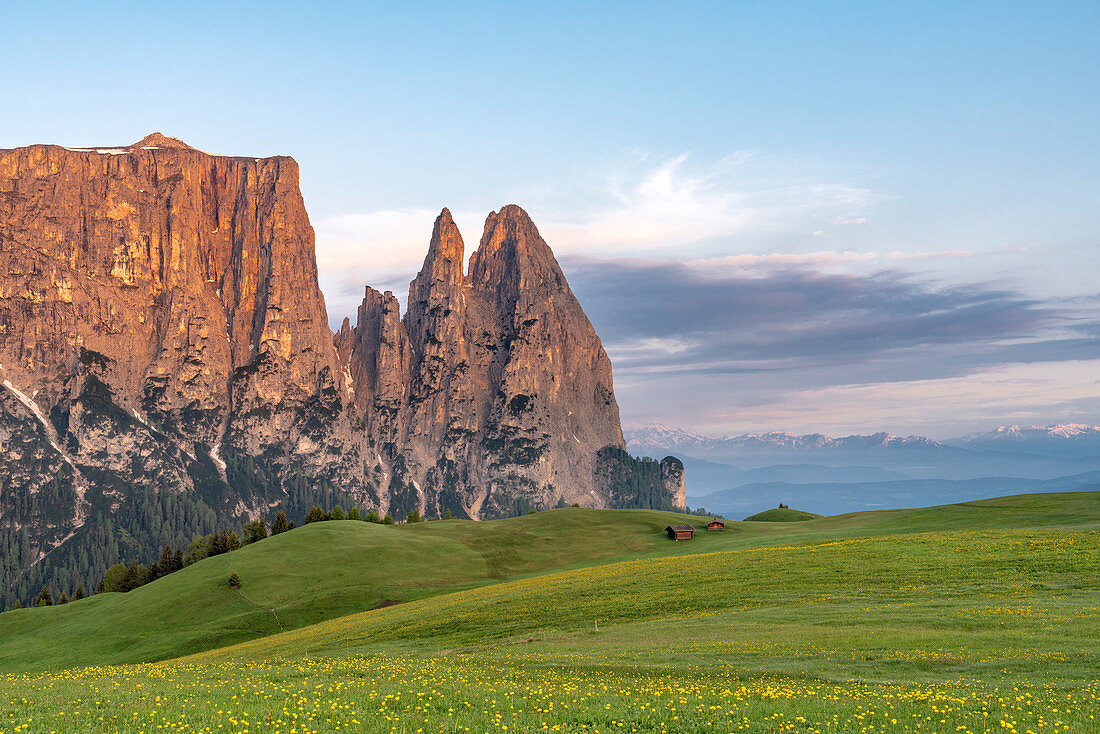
980 617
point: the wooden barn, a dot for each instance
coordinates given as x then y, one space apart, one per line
716 524
680 532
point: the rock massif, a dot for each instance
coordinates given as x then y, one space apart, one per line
165 349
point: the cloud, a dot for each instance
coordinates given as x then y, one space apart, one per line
782 315
644 204
673 204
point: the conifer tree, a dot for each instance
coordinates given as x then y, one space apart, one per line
387 520
447 515
372 516
337 513
279 525
232 541
79 593
354 514
164 565
45 598
315 515
63 600
414 516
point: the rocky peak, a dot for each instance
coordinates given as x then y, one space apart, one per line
159 140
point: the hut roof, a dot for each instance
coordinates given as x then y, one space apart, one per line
681 528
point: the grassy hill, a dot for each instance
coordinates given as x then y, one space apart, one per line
590 618
327 570
782 514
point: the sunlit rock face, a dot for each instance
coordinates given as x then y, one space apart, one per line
508 391
162 334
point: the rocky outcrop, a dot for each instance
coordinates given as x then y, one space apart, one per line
164 348
507 389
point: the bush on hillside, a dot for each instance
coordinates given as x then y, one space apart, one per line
114 579
255 531
234 580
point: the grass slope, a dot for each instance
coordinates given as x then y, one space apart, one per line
982 617
327 570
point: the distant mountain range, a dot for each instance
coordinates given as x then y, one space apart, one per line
1074 440
660 438
826 474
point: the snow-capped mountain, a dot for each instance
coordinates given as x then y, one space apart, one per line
657 438
1071 440
1039 453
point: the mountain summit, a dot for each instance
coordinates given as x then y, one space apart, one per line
165 354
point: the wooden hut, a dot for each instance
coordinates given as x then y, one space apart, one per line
716 524
680 532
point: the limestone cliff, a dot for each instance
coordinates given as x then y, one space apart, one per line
509 391
167 365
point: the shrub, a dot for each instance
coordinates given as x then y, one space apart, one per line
198 550
115 578
234 580
255 530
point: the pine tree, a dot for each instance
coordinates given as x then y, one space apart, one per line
45 598
79 593
414 516
279 525
234 581
387 520
354 514
447 515
232 541
177 560
315 515
63 600
372 516
164 565
16 605
337 513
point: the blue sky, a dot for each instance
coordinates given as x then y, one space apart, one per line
862 215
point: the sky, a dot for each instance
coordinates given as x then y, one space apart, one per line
808 216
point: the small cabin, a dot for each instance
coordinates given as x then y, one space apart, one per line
680 532
716 524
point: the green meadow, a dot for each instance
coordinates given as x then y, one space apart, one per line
978 617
